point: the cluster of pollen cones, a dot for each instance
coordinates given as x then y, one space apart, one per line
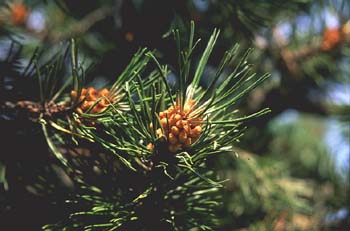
89 97
179 128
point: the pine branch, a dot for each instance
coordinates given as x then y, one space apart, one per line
165 151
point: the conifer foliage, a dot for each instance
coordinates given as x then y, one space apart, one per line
162 142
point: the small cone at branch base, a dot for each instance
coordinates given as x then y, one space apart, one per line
89 97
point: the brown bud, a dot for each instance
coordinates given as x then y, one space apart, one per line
103 102
172 122
175 130
179 124
177 117
104 92
150 146
182 136
164 122
73 94
85 105
172 138
186 128
196 131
